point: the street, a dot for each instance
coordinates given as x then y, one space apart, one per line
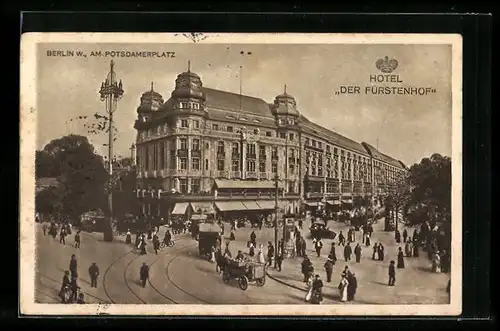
179 276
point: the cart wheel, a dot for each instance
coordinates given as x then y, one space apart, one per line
171 243
225 278
243 282
162 244
260 281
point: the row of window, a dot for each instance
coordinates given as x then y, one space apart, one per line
184 185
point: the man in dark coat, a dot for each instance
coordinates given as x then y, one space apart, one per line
352 286
397 236
62 235
77 239
381 251
298 245
329 269
253 238
93 273
74 289
405 235
357 253
333 254
270 253
303 246
279 259
347 252
144 274
392 274
65 282
73 266
341 239
401 259
307 268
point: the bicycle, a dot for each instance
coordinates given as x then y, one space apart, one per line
171 243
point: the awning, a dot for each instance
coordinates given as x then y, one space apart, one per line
206 208
180 208
266 204
314 204
208 227
347 200
333 202
246 184
198 217
230 205
251 205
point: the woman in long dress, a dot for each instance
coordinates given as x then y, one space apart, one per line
212 254
343 288
407 249
436 262
375 251
401 259
260 255
251 249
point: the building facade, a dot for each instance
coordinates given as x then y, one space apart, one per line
204 149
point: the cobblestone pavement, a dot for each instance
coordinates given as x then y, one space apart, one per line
177 274
415 284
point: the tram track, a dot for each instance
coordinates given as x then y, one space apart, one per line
86 293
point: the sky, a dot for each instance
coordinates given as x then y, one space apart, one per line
406 127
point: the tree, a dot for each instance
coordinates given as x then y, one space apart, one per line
430 185
49 201
80 172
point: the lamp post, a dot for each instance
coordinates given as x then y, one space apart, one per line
111 91
276 184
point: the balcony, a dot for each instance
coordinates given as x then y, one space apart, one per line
182 153
251 175
262 156
251 156
263 175
221 174
235 174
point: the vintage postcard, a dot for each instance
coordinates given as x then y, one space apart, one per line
241 174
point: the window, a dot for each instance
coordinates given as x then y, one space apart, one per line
207 145
215 127
195 185
282 135
251 149
195 145
274 168
183 143
335 150
206 164
173 160
183 185
195 163
183 163
269 134
328 148
290 136
251 165
320 172
314 143
235 165
184 105
196 106
313 171
291 168
162 155
236 148
262 151
291 187
320 145
262 166
184 124
290 121
196 124
229 129
220 165
274 153
307 141
256 131
146 159
220 147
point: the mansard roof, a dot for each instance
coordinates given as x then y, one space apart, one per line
376 154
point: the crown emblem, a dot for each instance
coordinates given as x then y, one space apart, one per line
386 65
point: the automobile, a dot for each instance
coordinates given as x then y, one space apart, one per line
320 230
93 221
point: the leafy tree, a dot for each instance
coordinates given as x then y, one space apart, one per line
49 201
430 185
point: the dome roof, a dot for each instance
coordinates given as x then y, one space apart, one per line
150 101
285 104
188 85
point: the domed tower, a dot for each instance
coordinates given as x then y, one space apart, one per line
188 95
151 101
285 110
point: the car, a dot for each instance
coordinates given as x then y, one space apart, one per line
320 230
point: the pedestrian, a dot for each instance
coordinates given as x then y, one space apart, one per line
407 249
227 251
405 235
341 239
298 246
352 286
81 299
367 240
347 252
73 266
220 261
231 235
143 245
44 228
317 288
300 223
77 239
307 268
415 248
333 254
93 273
401 259
251 249
357 253
260 254
128 237
318 245
156 244
74 289
62 236
343 288
303 246
381 250
64 286
253 239
397 236
270 253
144 274
436 263
392 274
329 269
375 252
279 259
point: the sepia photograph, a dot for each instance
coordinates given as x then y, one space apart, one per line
241 174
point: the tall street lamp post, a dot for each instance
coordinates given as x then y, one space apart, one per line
111 91
276 183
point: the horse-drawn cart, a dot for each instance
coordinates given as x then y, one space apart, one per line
244 272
